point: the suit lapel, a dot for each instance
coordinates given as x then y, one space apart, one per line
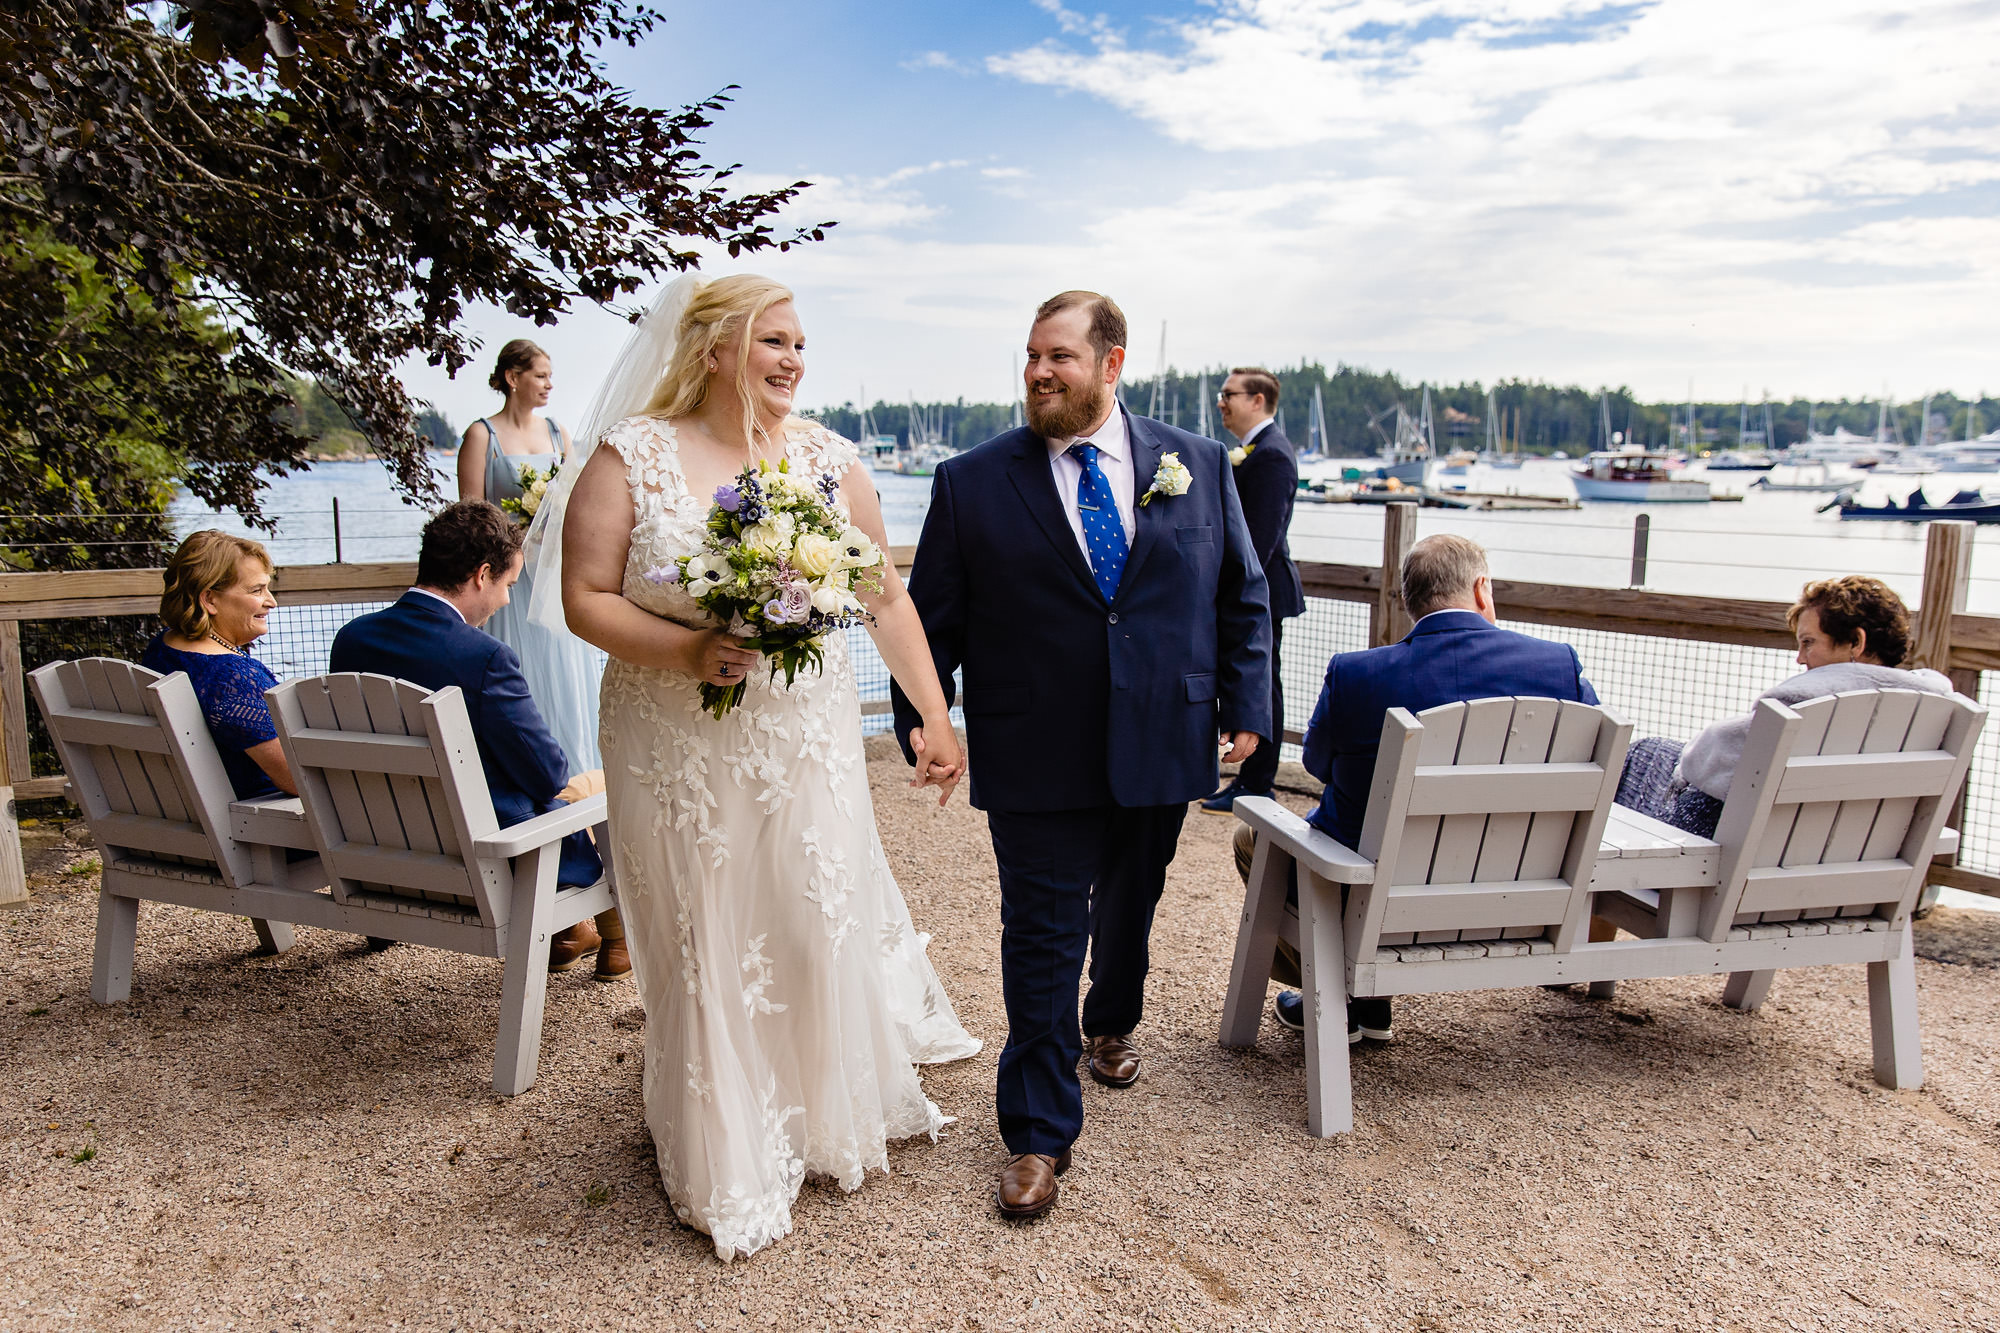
1035 480
1148 521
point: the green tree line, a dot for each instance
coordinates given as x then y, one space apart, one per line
1541 417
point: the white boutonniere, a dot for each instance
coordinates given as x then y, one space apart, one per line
1170 479
1239 453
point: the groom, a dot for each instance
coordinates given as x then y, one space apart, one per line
1110 615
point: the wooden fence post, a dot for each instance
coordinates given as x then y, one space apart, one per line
1947 576
1388 620
13 760
1642 531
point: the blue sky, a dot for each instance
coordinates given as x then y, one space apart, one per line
1799 195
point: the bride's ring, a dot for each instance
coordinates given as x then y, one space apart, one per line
722 670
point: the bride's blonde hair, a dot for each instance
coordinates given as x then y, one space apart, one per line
716 312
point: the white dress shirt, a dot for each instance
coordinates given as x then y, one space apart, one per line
1255 431
1114 457
446 600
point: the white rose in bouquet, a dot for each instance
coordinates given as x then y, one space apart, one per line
815 556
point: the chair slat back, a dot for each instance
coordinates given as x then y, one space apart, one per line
383 774
1836 806
145 769
1484 822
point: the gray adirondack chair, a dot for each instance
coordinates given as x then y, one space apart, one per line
1477 849
398 808
141 763
1835 813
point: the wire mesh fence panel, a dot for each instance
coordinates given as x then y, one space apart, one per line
1980 829
1308 643
1670 687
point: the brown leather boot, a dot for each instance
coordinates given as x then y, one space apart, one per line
568 946
614 962
1027 1186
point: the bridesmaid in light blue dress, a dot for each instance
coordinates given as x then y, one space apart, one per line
563 671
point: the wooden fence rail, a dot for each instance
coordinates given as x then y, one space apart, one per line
1946 637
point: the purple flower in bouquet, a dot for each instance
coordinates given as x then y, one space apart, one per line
728 499
791 606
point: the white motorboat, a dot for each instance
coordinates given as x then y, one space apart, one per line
1634 475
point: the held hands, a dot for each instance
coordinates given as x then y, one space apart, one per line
1238 746
719 659
940 760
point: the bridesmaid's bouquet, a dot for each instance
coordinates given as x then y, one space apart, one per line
534 486
780 566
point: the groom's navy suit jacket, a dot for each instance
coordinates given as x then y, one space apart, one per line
1073 702
421 640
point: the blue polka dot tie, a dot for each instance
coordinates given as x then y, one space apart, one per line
1103 530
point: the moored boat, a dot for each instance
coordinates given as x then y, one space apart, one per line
1917 508
1634 475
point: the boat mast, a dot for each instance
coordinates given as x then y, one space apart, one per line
1204 432
1318 428
1159 375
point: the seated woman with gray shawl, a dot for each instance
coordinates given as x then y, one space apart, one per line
1853 634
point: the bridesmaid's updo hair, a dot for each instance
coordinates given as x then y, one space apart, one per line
718 311
206 562
519 354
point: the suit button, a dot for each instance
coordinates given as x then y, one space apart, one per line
1114 617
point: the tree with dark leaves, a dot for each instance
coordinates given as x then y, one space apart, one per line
339 179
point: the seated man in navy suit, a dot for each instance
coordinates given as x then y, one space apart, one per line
1453 653
470 558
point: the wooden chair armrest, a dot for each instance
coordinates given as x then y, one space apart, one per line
524 837
273 821
1947 843
1308 846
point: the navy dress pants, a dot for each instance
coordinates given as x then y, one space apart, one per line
1260 770
1071 881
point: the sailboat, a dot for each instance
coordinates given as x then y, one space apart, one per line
1497 454
1315 431
879 449
1406 455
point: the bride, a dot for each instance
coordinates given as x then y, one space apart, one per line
787 994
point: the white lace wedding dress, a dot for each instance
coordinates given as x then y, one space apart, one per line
787 994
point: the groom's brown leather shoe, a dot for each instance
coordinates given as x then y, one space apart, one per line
1027 1185
568 946
1114 1061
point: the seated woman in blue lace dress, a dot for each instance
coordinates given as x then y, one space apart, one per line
1853 634
217 598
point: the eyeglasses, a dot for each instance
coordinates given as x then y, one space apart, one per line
1227 394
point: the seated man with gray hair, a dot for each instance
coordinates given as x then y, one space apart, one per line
1454 652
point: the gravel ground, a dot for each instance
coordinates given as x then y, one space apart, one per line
311 1141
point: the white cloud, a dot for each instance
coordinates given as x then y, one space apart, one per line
1793 194
933 60
1700 181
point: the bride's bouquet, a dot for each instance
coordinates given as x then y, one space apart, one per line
781 567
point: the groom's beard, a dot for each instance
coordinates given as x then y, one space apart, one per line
1070 413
